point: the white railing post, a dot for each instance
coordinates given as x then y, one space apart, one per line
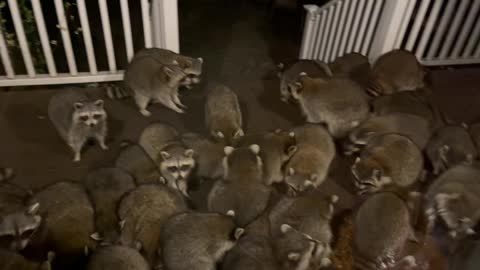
165 24
308 36
389 25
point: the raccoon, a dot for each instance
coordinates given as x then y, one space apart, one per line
77 118
135 161
309 165
117 257
288 74
303 224
382 226
6 173
208 155
389 159
455 197
242 182
152 81
339 103
163 145
223 117
106 186
10 260
197 241
450 145
395 71
416 128
277 149
18 225
143 211
351 65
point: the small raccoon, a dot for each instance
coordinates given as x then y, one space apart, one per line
382 226
10 260
450 145
352 65
77 118
163 145
197 241
152 81
389 159
289 74
309 165
395 71
134 160
455 198
277 149
143 211
242 182
475 133
118 258
6 174
106 187
416 128
303 224
223 117
208 155
339 103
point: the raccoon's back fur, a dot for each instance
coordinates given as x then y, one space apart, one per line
134 160
155 138
338 102
208 155
118 258
106 187
223 117
143 211
352 65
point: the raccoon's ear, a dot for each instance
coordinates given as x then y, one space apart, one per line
291 171
334 198
442 151
138 245
239 133
99 103
302 74
228 150
255 148
33 209
78 105
175 62
291 150
165 155
96 236
291 134
285 228
294 256
238 233
219 134
200 59
281 66
231 213
168 71
308 183
189 153
121 224
313 177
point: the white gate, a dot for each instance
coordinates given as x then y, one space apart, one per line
159 24
438 32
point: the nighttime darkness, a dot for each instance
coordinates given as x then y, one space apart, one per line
239 135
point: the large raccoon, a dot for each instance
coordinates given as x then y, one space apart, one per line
242 182
339 103
382 227
303 221
450 145
10 260
67 220
77 118
223 117
288 74
351 65
208 155
389 159
106 186
416 128
455 197
152 81
134 160
143 211
163 145
118 258
277 149
197 241
396 71
309 165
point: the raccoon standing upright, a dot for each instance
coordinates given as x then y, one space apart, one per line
77 118
223 117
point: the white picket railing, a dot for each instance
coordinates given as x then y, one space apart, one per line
160 28
438 32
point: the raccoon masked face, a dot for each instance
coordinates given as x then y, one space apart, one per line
296 249
453 211
368 175
298 183
192 67
89 113
16 229
177 166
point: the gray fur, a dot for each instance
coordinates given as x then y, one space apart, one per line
118 258
450 145
242 182
134 160
10 260
223 117
174 160
351 65
143 211
77 117
310 164
339 103
208 155
389 159
197 241
396 71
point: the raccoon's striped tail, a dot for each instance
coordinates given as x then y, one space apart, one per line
6 174
363 264
116 91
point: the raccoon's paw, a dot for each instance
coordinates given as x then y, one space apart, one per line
325 262
145 113
76 158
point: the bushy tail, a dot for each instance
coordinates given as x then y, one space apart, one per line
6 174
116 91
